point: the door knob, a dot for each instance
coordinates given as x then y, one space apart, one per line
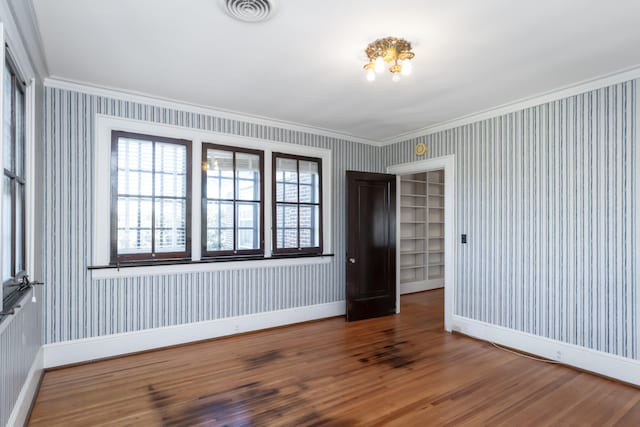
352 260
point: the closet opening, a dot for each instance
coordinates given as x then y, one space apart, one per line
422 216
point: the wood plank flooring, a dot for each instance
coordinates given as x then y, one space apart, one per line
399 371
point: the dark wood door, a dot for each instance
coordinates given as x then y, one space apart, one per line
371 245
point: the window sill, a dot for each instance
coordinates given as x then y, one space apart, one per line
153 268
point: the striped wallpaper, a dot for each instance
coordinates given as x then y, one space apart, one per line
16 355
548 197
79 307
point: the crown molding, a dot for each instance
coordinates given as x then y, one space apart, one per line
142 98
24 39
521 104
510 107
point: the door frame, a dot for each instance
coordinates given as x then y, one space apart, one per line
448 164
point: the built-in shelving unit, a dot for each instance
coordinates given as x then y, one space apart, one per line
421 231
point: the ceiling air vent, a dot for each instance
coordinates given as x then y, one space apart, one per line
249 10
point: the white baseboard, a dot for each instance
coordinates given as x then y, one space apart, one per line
84 350
409 288
20 412
609 365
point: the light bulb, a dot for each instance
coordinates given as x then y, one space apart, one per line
406 67
379 67
371 75
396 77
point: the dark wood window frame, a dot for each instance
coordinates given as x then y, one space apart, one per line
206 254
17 177
274 203
151 256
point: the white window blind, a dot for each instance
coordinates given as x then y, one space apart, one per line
152 198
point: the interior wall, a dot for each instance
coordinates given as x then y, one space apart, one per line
548 197
78 306
21 333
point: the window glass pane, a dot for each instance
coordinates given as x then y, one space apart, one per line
19 227
309 182
279 238
309 226
219 174
171 170
290 238
248 223
6 229
287 220
247 176
6 122
219 226
135 167
286 180
134 225
170 226
19 132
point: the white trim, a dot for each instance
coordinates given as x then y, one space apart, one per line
637 196
13 38
530 101
104 124
424 285
30 187
28 392
24 16
609 365
2 70
84 350
114 273
521 104
142 98
448 163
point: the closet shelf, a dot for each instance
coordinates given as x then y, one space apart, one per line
411 267
421 256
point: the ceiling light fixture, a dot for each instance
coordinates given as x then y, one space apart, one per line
389 50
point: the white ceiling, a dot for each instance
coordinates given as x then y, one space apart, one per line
305 64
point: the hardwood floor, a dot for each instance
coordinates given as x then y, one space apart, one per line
400 371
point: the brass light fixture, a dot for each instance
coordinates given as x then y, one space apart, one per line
389 50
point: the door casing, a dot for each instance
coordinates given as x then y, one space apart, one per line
448 164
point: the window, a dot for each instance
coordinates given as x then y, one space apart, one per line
151 198
13 188
297 204
216 213
232 210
